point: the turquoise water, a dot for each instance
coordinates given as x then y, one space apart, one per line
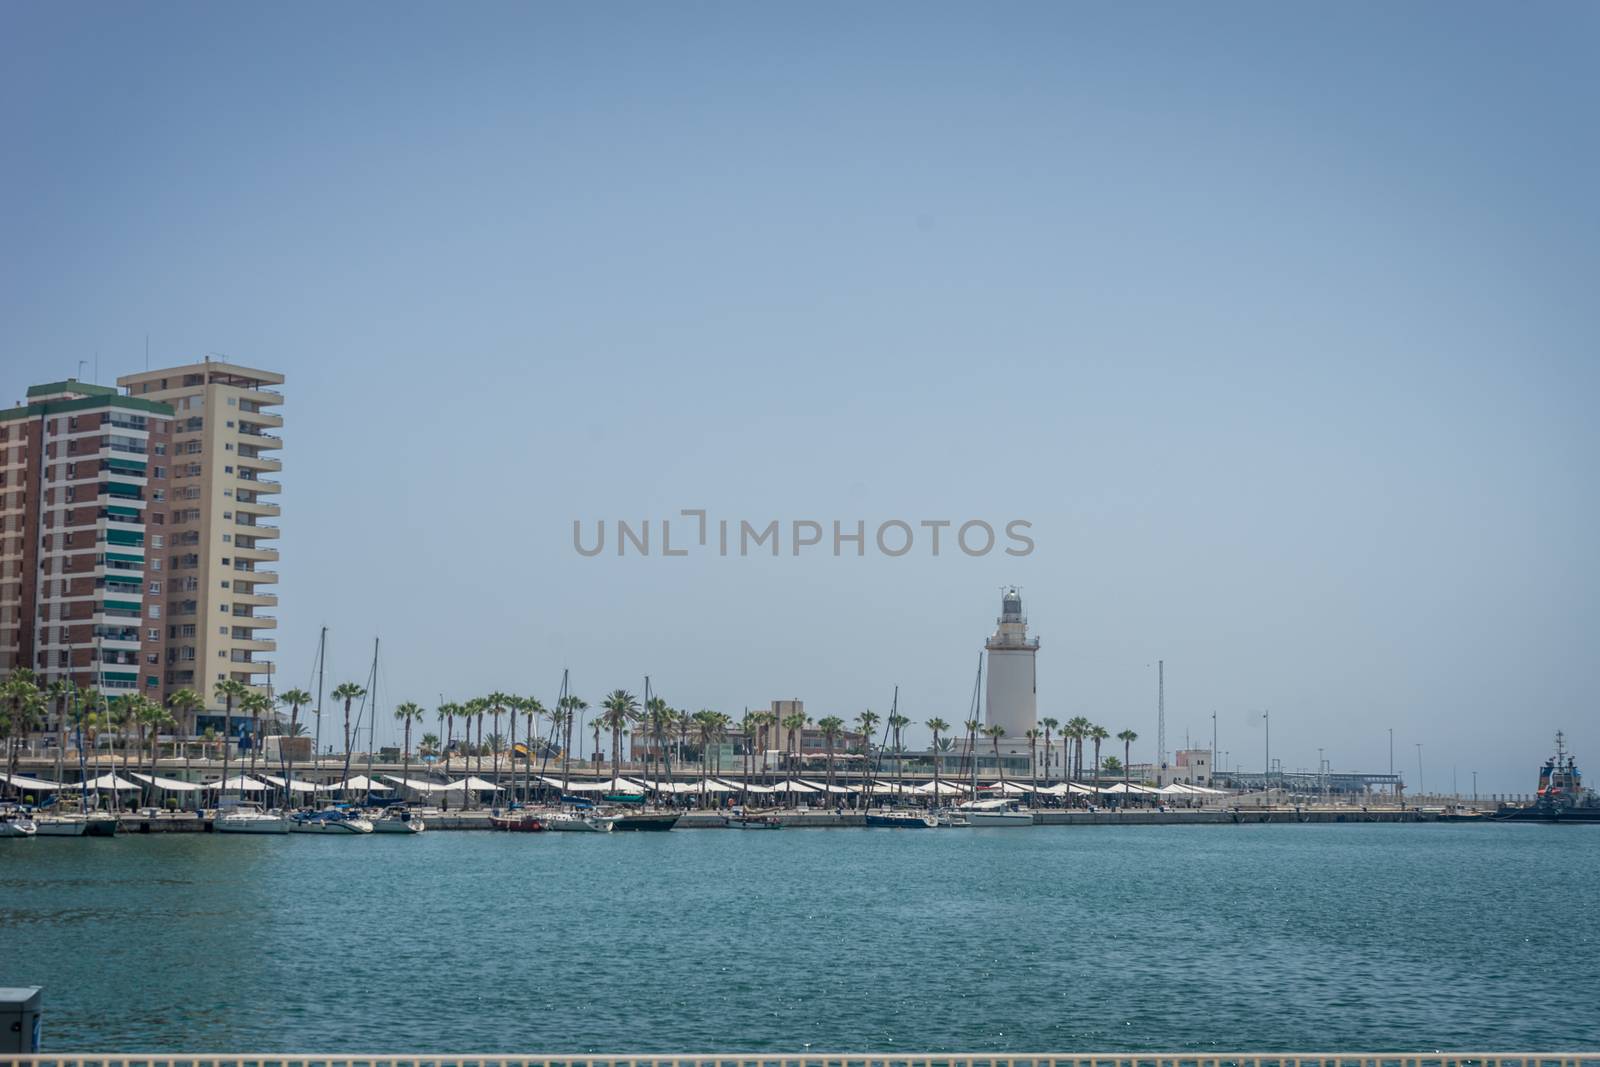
1407 937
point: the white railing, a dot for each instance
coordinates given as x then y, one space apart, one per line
1229 1059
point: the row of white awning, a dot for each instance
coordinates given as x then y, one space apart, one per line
361 783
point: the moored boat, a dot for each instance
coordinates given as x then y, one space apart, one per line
900 820
398 820
329 821
1561 796
249 818
64 824
578 822
754 822
646 821
17 824
517 822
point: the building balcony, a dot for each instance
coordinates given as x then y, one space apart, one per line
254 644
260 394
255 600
257 438
260 463
259 485
259 555
258 507
265 419
258 530
255 622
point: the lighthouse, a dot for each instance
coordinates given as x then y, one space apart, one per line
1011 697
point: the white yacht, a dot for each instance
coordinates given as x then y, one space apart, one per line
330 821
397 820
248 818
62 824
995 813
574 821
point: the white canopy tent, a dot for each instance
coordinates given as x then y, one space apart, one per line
413 784
296 787
744 787
476 785
1129 787
243 783
21 782
794 785
953 788
359 784
112 780
824 787
579 786
171 785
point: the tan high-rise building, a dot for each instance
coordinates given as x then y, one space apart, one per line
218 525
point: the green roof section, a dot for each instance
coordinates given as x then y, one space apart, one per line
71 385
85 403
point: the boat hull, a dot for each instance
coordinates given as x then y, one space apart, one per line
517 824
330 826
1574 815
898 822
268 825
18 828
755 824
578 824
643 822
999 818
48 827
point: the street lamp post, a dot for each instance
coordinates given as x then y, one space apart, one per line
1420 790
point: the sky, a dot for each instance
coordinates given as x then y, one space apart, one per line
1275 322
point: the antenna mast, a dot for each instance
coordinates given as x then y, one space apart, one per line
1161 713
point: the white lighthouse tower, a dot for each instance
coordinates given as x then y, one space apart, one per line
1011 698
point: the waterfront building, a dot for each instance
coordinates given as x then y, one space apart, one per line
218 525
131 533
1011 692
1192 767
83 476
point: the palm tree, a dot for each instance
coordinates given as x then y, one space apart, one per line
477 708
1033 756
496 706
616 711
296 699
230 690
707 725
429 745
448 712
348 692
1049 725
154 718
793 724
938 726
657 723
183 704
571 706
1097 734
61 693
897 722
831 726
768 720
1077 728
867 722
747 727
26 703
532 709
1127 737
408 713
995 733
255 702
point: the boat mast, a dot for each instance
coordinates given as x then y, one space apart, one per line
322 660
977 712
373 718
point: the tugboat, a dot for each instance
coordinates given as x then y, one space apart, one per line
1561 796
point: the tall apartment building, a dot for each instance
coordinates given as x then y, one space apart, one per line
81 476
218 527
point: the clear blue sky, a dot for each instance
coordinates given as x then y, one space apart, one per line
1277 321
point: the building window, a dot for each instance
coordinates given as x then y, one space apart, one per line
223 630
156 541
225 584
155 611
155 587
153 634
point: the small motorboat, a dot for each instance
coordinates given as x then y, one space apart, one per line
397 820
329 821
901 820
517 822
754 822
249 818
17 824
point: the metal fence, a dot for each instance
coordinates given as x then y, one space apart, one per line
1232 1059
